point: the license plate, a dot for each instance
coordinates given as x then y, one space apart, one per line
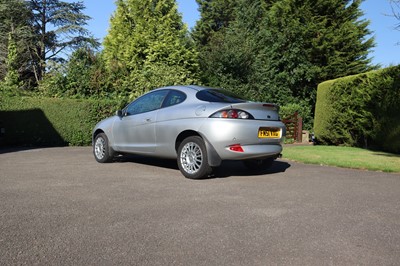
269 133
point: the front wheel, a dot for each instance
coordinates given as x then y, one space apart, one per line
192 158
102 152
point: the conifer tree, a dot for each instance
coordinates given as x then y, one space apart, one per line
307 42
148 46
209 35
279 50
288 46
216 15
58 26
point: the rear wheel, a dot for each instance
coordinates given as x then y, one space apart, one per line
192 158
101 150
259 164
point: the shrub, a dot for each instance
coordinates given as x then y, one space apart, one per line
50 121
304 110
361 110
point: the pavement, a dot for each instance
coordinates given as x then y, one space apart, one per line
60 207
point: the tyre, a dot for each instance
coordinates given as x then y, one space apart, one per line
192 158
259 164
102 152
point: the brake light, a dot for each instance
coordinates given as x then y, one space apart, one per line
232 113
236 147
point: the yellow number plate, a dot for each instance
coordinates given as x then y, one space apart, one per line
269 133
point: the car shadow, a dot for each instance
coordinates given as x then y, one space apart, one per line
157 162
227 168
234 168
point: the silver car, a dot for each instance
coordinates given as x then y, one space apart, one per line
198 126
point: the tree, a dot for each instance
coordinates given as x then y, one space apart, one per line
15 40
216 15
12 78
148 46
395 4
86 75
307 42
280 50
59 27
209 36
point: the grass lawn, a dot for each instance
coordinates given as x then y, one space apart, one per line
343 157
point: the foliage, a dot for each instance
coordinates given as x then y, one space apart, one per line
361 110
211 43
49 121
35 34
58 26
83 76
11 79
272 51
216 15
15 40
302 108
278 51
86 75
148 46
321 40
323 111
54 81
354 123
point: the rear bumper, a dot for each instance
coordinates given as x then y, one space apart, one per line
253 152
221 134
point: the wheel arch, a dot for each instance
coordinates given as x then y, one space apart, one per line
214 159
97 132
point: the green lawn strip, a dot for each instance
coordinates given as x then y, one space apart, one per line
347 157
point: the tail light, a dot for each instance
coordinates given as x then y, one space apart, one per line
236 148
233 114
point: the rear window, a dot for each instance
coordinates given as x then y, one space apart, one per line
220 96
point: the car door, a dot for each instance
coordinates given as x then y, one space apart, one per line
135 131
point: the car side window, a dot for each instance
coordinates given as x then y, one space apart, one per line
149 102
174 97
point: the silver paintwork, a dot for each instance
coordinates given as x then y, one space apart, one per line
159 132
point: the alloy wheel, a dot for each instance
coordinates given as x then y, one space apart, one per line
191 157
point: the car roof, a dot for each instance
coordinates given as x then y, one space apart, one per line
185 88
190 89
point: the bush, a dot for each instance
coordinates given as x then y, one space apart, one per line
52 122
361 110
304 110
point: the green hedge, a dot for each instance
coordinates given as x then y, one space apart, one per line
361 110
50 121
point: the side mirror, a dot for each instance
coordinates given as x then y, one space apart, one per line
118 113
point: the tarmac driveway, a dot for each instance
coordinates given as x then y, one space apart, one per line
59 207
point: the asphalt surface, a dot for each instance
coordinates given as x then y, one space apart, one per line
60 207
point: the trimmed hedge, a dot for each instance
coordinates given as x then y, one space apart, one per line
361 110
50 121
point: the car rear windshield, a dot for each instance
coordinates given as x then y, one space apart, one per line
220 96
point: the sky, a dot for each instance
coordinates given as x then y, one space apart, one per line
378 12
